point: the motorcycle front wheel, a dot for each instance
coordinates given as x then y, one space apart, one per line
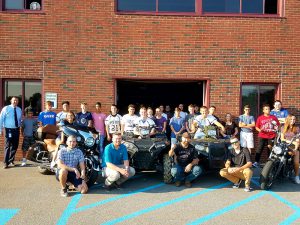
268 174
91 174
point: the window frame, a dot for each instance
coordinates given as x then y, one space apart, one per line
199 11
277 95
2 93
24 10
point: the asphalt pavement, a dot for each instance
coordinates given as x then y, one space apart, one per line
28 197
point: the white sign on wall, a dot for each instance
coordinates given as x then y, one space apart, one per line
52 97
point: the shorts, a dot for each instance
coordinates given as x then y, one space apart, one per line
174 141
27 142
247 140
71 178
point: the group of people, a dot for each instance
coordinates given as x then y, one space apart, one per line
146 124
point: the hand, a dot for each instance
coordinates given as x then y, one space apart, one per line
108 137
82 175
124 172
77 173
188 168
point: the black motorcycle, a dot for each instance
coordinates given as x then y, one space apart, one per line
87 142
279 165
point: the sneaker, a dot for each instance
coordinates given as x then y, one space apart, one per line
52 164
12 164
248 189
23 163
188 184
64 192
177 183
237 185
297 180
256 165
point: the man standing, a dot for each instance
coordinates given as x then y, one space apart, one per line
113 122
144 126
176 125
237 166
266 125
63 114
68 160
99 124
127 123
115 163
186 168
10 119
47 116
190 118
247 123
279 112
84 118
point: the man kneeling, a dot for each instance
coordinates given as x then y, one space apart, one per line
237 166
115 163
186 160
68 160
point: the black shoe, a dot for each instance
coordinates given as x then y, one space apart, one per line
107 187
5 166
117 186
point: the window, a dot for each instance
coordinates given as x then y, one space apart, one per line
240 6
22 5
29 93
199 7
257 95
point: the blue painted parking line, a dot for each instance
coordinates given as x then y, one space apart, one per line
7 214
227 209
71 208
164 204
291 218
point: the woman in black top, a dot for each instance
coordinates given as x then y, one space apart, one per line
231 129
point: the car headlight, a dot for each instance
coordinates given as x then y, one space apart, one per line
199 147
130 147
277 150
89 142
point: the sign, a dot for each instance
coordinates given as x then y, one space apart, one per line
52 97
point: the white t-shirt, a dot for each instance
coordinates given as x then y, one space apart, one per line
143 126
128 122
203 122
113 123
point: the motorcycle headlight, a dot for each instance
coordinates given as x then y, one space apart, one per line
89 142
199 147
78 139
277 150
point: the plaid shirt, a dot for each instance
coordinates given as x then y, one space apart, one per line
71 158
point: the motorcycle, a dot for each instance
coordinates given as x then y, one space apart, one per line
87 142
279 164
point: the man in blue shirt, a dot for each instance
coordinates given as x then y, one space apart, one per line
47 116
84 118
115 163
279 112
10 119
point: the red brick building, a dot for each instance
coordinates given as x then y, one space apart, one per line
224 54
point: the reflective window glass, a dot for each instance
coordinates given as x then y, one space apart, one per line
14 4
136 5
221 6
176 5
252 6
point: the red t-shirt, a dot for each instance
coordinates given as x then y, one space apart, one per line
268 129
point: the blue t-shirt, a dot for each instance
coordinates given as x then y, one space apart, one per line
83 119
282 113
177 124
29 126
116 157
47 118
247 120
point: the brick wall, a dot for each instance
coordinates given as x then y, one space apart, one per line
78 49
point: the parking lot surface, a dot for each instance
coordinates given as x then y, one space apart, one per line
28 197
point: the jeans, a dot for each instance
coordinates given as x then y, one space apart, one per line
179 175
101 145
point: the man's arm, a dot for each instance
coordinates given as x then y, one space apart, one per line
172 152
218 124
2 118
82 168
